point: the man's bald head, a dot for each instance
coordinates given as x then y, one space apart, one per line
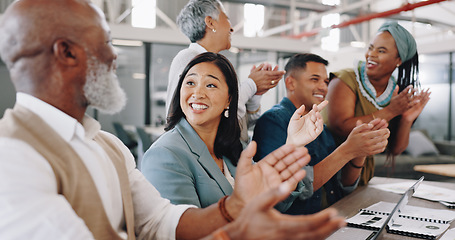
59 52
30 27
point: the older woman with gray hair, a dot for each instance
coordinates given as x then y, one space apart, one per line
208 27
371 91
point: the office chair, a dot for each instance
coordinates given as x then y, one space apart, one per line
125 137
145 141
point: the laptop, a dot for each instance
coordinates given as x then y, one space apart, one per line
359 233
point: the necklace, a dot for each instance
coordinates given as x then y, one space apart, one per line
217 161
369 92
222 167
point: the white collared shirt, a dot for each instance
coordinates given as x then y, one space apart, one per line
32 209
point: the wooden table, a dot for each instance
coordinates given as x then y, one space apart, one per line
438 169
365 196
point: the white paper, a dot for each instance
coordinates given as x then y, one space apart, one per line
412 219
350 233
449 235
419 227
415 212
424 191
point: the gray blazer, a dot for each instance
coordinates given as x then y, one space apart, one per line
181 168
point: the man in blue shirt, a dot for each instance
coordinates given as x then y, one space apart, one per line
333 171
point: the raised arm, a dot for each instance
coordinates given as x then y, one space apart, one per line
362 141
282 165
400 139
260 80
265 77
303 129
341 114
353 169
259 220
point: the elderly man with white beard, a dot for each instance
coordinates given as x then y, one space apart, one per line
62 177
102 87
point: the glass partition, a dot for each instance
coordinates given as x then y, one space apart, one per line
162 55
434 74
131 75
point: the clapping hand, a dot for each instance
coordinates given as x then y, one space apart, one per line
400 102
259 220
282 165
265 77
418 102
303 129
368 139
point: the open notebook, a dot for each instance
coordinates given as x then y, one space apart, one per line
370 233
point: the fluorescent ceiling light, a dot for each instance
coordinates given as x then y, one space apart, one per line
253 19
138 76
234 50
358 44
128 43
143 14
331 2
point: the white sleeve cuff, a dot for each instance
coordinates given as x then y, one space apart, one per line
247 90
253 105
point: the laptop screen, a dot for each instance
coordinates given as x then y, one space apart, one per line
359 233
398 207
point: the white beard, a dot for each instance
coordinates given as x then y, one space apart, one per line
102 88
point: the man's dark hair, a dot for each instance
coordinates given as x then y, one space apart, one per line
299 61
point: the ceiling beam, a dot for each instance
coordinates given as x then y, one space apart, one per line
367 17
340 10
169 36
310 6
166 19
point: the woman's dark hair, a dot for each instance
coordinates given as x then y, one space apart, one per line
408 73
227 140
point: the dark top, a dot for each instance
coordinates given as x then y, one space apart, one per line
271 132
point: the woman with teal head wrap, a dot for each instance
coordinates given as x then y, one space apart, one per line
369 91
407 49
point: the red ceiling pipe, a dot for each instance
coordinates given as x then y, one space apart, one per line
404 8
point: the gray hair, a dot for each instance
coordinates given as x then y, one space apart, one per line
191 19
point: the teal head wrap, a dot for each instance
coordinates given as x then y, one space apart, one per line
405 42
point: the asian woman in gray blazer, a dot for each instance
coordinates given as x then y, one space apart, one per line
194 162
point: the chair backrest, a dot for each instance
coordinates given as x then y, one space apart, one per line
145 141
123 135
144 138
